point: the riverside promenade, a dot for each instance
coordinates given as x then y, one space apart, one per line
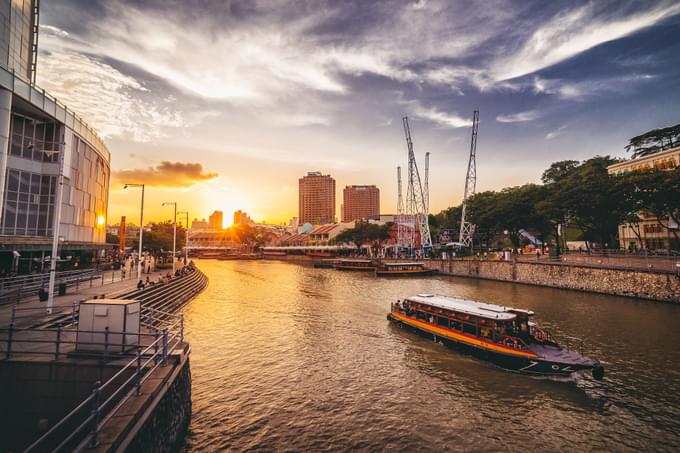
128 395
30 311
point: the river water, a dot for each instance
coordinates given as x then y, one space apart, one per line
286 357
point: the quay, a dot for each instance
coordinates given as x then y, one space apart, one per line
58 398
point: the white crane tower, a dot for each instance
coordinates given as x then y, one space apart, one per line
467 229
416 197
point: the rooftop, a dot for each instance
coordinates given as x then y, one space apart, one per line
470 307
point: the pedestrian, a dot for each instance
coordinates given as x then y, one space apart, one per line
140 285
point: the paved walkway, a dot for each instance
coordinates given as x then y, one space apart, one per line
30 311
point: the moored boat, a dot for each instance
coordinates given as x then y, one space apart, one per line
355 265
403 270
326 264
495 333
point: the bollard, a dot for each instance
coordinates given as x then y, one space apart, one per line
112 275
138 383
102 279
106 341
164 360
91 278
95 415
56 351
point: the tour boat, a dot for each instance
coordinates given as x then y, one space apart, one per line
402 269
326 264
355 265
501 335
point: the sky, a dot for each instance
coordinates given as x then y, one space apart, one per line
223 105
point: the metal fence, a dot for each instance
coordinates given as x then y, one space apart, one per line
80 428
13 289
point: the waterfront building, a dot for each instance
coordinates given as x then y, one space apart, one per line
41 141
241 217
316 199
360 203
199 225
647 233
215 220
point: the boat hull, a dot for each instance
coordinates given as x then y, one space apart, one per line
405 273
342 267
524 363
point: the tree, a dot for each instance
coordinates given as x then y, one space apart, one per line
657 192
364 232
159 237
654 141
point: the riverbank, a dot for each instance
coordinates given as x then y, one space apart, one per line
652 285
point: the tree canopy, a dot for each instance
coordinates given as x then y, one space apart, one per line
364 232
654 141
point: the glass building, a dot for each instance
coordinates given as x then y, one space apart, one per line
42 140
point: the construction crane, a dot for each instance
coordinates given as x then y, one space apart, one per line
402 239
416 206
467 229
426 188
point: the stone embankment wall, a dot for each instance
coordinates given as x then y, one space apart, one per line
165 428
660 286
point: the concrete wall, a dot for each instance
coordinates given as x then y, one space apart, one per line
165 428
648 285
34 394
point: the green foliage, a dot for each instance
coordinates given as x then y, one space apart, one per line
365 232
158 237
249 235
654 141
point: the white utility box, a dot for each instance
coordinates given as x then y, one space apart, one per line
120 316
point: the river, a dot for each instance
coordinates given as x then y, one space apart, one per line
287 357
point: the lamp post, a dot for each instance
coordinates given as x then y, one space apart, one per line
186 237
174 232
141 228
55 231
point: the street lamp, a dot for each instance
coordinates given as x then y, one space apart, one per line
174 232
55 231
186 237
141 228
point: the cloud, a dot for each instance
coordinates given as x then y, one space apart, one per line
556 133
518 117
571 33
583 89
450 120
166 174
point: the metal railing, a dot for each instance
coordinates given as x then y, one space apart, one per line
14 289
78 430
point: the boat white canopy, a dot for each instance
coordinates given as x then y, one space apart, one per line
405 264
356 261
469 307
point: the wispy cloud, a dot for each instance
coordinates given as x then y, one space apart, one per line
556 133
166 174
518 117
445 119
573 32
583 89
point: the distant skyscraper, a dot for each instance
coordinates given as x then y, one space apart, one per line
241 217
360 203
215 220
317 198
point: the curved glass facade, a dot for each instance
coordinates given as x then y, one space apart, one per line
40 139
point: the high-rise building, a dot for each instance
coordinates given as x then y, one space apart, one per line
317 198
360 203
41 142
241 217
215 220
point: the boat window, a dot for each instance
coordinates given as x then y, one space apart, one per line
442 321
456 325
469 328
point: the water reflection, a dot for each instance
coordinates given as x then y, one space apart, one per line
294 358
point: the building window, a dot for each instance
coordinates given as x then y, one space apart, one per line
34 139
29 204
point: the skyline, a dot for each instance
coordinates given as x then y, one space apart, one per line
279 89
